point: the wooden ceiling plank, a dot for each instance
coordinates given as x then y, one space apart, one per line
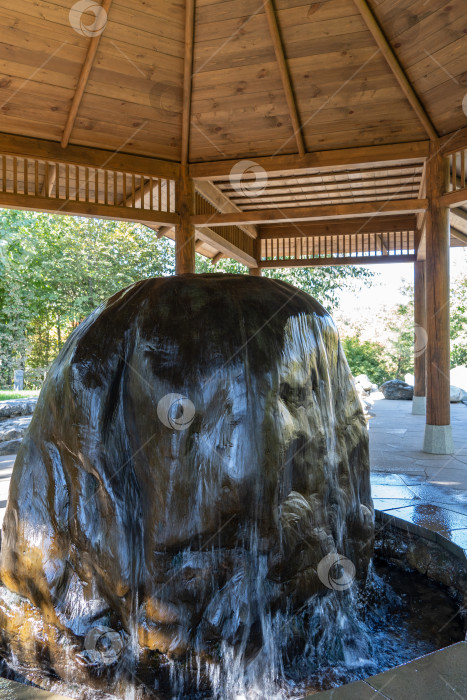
187 78
83 78
395 66
314 213
284 74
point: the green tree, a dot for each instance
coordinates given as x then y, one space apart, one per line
323 283
56 269
367 357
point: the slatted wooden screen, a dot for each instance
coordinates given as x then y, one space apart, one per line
316 248
73 183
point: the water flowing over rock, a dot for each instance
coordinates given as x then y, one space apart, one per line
197 452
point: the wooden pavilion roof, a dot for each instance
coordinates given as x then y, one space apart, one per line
334 102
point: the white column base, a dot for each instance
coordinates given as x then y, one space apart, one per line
438 440
419 405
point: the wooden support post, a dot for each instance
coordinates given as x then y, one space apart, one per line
420 340
255 271
438 431
185 231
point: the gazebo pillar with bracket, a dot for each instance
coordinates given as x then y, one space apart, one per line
184 230
438 430
420 339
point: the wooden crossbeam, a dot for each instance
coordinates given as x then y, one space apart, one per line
91 209
219 200
284 73
83 79
452 198
332 262
335 160
395 66
339 227
316 213
187 78
23 146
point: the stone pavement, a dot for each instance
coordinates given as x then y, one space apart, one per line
396 440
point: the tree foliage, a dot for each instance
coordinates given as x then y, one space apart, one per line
367 357
54 270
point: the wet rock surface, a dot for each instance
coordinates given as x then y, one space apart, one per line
197 449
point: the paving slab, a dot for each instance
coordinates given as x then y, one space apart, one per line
438 676
353 691
396 441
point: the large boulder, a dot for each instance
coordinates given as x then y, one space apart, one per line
18 407
455 394
197 451
396 389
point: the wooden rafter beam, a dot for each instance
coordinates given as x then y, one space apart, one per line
335 160
187 78
219 200
459 235
453 142
163 231
284 74
83 79
316 213
215 240
141 192
457 211
393 62
26 147
216 258
49 180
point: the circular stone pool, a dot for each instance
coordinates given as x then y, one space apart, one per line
400 614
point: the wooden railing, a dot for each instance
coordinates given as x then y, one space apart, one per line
57 187
338 249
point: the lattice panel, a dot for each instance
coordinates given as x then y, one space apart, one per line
339 247
73 183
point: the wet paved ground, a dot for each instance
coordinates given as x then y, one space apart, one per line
428 490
